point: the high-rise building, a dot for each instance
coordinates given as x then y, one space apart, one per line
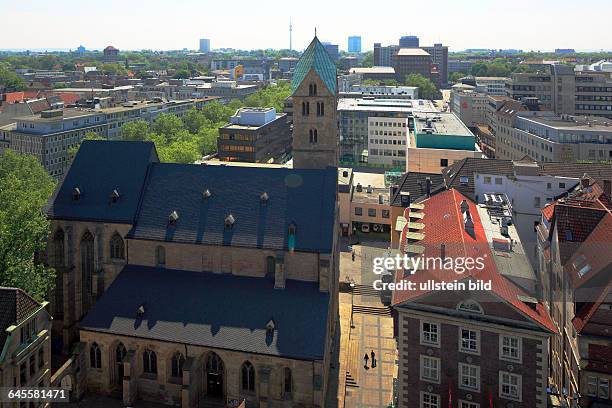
354 43
204 45
314 95
409 41
332 49
411 61
439 57
383 55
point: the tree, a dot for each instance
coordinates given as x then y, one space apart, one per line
136 130
194 120
25 187
456 76
427 89
168 126
208 140
182 74
368 59
10 80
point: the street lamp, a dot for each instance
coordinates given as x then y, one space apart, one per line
352 285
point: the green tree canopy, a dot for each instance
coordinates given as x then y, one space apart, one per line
10 80
427 89
25 187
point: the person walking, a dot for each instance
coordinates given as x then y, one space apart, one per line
365 359
373 357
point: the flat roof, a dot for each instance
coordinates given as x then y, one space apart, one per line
415 52
237 126
442 123
68 113
373 70
592 124
386 105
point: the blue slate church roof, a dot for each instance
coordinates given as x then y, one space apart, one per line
316 57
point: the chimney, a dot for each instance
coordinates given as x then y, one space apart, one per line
405 197
443 252
464 206
468 223
359 188
428 186
393 191
584 181
381 199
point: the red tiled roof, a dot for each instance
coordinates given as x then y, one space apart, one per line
69 98
13 97
444 224
591 315
548 211
31 94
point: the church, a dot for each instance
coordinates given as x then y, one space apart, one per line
197 285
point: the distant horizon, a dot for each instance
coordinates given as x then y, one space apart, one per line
527 25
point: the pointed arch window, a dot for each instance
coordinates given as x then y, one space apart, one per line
160 257
313 136
177 365
87 269
117 249
247 375
303 108
149 362
95 356
120 353
58 247
307 108
287 382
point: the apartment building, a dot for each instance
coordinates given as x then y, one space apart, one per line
354 115
51 134
562 90
575 265
381 92
25 340
462 347
469 106
256 135
545 136
460 66
383 54
439 139
439 57
387 141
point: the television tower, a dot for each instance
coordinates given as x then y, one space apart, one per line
290 33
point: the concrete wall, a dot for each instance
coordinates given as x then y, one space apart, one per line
429 160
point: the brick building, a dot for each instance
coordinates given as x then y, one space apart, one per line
469 348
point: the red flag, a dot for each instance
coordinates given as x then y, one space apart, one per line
450 396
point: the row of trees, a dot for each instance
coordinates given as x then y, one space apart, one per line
427 89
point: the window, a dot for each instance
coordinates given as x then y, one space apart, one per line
487 179
469 377
430 369
288 381
536 202
358 211
149 362
58 246
604 388
160 256
116 247
270 267
430 334
498 180
313 135
247 373
469 341
510 385
430 400
32 365
468 404
23 373
95 356
510 348
41 357
177 365
371 212
87 268
385 213
548 186
470 306
561 185
443 162
591 390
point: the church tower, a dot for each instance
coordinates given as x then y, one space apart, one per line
315 103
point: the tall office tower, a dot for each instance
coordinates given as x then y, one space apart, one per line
409 41
204 45
354 43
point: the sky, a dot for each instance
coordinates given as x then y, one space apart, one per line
170 25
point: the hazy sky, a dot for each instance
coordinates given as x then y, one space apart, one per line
178 24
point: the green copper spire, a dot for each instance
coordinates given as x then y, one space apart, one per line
317 58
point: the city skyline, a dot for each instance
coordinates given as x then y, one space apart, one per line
149 27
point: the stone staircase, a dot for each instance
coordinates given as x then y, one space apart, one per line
366 290
352 366
372 310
